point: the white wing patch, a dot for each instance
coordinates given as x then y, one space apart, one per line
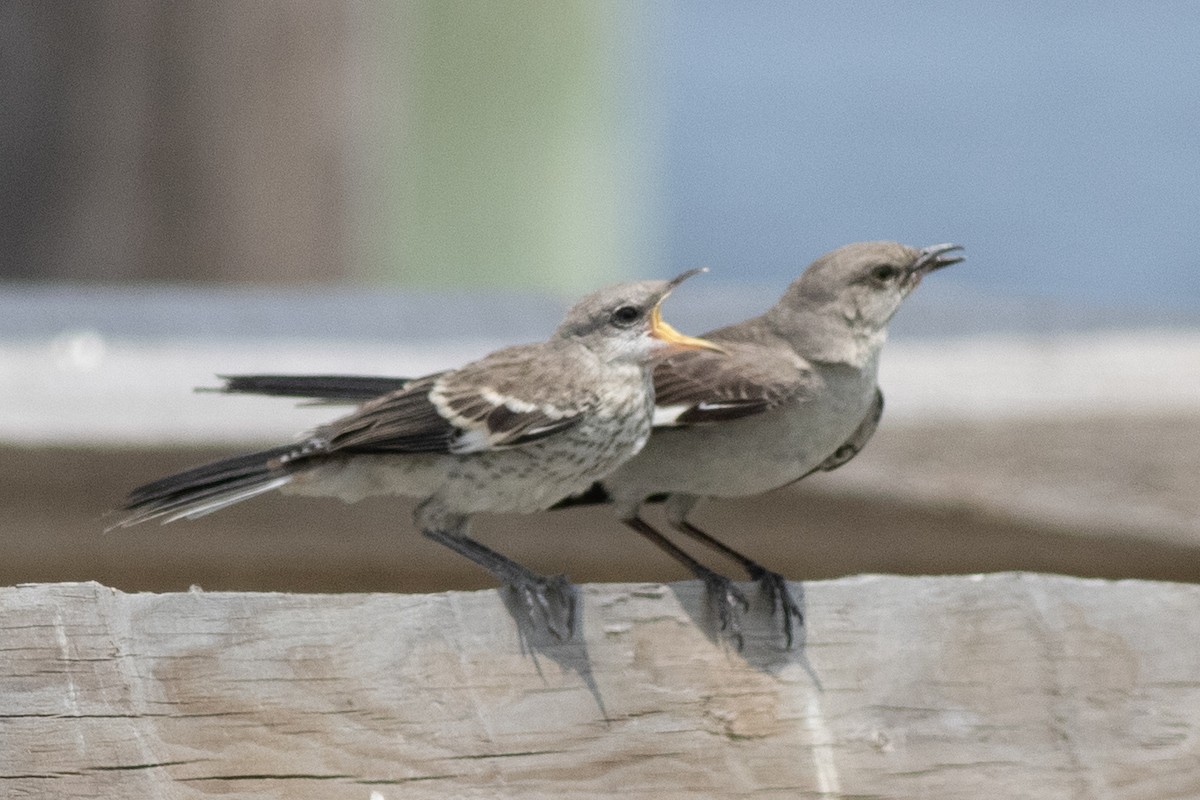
512 403
521 406
472 440
482 426
668 416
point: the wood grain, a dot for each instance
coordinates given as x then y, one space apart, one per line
1019 684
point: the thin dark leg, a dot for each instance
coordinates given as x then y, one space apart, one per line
727 599
553 599
774 584
683 526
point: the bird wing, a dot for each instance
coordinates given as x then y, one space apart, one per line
858 440
498 402
702 386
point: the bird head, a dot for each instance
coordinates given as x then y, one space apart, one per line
624 322
865 283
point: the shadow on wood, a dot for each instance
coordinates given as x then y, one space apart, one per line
1046 686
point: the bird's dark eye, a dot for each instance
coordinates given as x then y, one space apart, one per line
626 316
884 273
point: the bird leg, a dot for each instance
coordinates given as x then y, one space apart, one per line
772 584
550 599
726 599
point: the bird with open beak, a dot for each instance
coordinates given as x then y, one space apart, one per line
790 392
516 431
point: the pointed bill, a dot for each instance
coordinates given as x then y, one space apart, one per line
673 340
937 256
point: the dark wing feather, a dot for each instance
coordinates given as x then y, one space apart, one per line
701 386
505 417
405 421
494 403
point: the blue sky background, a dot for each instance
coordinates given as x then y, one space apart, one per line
1058 141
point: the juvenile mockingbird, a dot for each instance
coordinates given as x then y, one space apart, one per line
792 392
515 431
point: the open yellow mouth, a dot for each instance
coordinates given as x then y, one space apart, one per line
662 331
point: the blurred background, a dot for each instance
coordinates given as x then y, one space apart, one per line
391 188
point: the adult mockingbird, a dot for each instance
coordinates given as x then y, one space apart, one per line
793 392
515 431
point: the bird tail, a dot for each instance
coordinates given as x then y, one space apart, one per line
327 389
210 487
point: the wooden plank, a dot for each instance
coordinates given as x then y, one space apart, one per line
1019 684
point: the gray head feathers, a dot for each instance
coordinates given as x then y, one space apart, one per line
839 308
623 322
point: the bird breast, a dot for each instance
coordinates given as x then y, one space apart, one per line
753 454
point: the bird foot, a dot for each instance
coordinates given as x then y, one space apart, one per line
727 603
549 603
775 587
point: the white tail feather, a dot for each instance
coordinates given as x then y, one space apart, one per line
217 503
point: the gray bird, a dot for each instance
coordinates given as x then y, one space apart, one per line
792 392
516 431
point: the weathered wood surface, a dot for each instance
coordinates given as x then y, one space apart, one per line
1013 685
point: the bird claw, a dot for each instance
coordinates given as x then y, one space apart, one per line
728 604
775 587
550 601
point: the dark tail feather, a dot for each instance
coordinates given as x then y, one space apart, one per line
326 388
207 488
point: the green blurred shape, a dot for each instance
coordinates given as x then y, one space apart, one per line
518 147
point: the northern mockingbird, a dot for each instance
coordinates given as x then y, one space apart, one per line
793 392
515 431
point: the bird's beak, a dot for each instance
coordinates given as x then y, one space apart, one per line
680 278
673 340
935 257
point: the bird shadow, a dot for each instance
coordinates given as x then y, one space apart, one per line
756 635
538 640
760 641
